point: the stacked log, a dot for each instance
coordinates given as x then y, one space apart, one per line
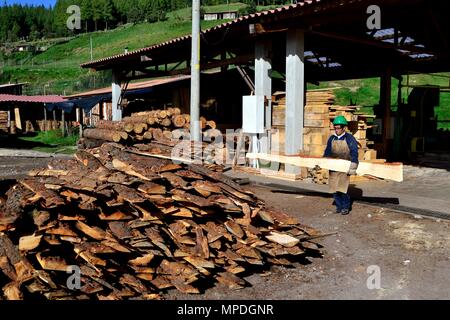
157 125
135 224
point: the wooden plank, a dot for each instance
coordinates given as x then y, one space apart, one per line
29 242
388 171
18 119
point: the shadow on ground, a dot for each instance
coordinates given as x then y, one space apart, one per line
14 142
354 192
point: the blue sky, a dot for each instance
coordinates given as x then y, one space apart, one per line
46 3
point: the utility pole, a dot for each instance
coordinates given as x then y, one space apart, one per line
195 72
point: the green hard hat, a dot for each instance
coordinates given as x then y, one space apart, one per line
340 120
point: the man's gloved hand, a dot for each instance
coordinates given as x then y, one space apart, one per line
353 167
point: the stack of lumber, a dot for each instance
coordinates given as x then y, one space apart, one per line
48 125
4 121
159 125
320 110
136 224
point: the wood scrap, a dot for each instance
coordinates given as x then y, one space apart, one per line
136 225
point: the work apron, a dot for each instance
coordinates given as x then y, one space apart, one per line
339 181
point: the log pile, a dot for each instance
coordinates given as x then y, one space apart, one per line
136 224
156 125
320 176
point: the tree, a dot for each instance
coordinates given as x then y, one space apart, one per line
97 8
109 12
86 13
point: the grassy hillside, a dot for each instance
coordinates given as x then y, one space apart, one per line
57 70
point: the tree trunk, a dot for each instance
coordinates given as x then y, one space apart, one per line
104 134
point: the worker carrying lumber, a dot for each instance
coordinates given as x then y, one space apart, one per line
342 145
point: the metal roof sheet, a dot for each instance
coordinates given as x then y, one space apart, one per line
133 86
30 99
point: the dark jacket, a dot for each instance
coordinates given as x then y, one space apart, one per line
352 145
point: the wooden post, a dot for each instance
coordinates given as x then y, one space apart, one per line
63 125
385 101
45 119
80 121
9 116
295 89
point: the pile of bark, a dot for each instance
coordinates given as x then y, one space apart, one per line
135 224
156 125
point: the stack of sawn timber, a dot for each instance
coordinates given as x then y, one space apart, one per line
156 125
4 121
320 110
136 225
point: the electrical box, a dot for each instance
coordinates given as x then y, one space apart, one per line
253 109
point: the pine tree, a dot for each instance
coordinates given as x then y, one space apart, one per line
108 12
86 13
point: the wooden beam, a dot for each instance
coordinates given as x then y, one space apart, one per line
63 123
385 102
373 42
388 171
211 65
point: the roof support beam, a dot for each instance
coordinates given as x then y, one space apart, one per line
116 93
371 42
385 101
263 87
295 94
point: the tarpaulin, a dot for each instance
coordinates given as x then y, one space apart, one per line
85 103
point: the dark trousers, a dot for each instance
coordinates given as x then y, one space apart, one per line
342 201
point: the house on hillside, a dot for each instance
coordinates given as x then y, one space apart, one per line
220 15
11 88
25 47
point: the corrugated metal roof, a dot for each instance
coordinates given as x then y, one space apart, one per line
239 20
30 99
133 86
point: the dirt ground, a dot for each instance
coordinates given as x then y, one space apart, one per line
13 167
413 256
412 253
